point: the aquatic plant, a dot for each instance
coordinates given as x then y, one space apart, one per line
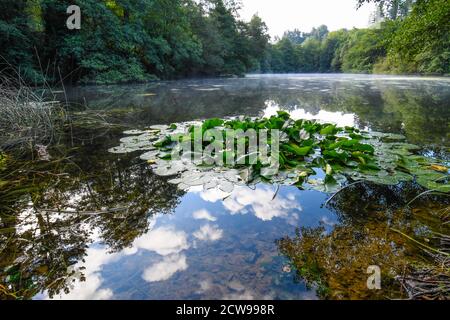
311 155
26 118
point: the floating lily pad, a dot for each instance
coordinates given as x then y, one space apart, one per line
134 132
151 155
341 155
159 127
387 136
226 186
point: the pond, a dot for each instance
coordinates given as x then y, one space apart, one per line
61 240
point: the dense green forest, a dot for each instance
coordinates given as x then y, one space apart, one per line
408 37
141 40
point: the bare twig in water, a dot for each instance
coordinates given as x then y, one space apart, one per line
334 195
420 195
276 192
86 213
421 244
427 284
431 282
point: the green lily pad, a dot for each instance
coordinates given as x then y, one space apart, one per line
340 154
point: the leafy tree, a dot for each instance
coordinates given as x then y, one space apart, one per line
391 9
332 44
276 60
319 33
19 36
296 36
288 55
258 40
422 42
224 20
141 40
362 50
309 55
95 52
124 40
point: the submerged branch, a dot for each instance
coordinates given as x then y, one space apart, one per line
424 193
87 213
421 244
334 195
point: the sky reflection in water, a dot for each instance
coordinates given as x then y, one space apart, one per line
208 249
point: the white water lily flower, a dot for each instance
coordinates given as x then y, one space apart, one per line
304 135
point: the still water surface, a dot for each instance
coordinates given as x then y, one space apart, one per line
170 244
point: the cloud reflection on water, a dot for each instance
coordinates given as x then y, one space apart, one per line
209 233
339 118
163 240
261 203
166 268
203 214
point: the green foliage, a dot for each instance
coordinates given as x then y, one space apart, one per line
296 36
422 42
129 41
413 38
391 9
362 50
309 54
18 37
329 62
137 41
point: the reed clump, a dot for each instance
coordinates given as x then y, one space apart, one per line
27 118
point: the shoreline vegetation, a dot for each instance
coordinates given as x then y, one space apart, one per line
139 41
27 118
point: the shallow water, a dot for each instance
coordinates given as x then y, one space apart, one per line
169 244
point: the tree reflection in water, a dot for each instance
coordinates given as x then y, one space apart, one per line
335 261
40 247
416 107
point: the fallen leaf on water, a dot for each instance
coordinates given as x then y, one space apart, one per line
287 269
438 168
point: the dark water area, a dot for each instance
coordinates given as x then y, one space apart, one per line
163 243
